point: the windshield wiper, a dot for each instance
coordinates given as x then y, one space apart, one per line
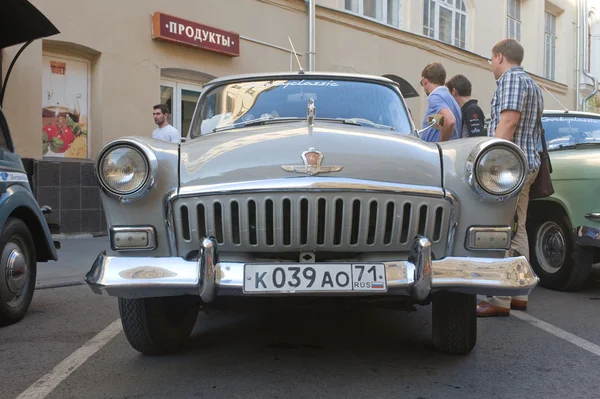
357 122
573 146
255 122
590 143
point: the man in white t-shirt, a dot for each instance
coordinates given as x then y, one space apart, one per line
164 132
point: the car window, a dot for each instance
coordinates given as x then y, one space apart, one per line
565 131
236 103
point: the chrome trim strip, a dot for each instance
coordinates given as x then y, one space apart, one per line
133 277
312 184
170 221
470 236
595 216
454 217
150 244
473 161
151 162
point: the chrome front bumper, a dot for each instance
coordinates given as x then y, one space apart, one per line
588 236
417 277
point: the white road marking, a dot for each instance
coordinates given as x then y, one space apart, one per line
560 333
46 384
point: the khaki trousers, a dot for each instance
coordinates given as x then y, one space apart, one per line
519 242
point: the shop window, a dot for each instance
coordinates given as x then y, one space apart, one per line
549 46
386 11
65 107
513 20
181 98
446 20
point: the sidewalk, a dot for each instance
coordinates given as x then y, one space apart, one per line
75 258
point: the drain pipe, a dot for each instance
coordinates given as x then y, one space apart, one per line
578 59
584 67
311 35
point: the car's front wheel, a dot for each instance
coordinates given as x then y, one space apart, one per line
454 319
156 326
17 271
558 261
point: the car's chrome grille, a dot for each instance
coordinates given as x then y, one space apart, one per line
311 221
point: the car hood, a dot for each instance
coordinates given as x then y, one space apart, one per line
258 153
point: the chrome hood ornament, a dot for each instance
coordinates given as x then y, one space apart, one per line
311 112
312 164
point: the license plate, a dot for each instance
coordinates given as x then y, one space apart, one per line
280 278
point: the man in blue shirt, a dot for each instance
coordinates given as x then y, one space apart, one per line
440 101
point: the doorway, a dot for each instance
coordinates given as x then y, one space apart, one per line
181 98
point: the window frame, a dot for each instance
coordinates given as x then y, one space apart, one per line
176 112
514 19
550 38
449 5
381 6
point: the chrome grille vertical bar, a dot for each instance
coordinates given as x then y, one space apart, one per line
405 226
226 221
381 218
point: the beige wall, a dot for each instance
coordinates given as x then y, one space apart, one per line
126 63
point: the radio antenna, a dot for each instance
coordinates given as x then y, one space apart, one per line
296 55
555 99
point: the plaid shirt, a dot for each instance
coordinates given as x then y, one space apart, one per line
517 91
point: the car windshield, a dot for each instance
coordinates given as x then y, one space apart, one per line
235 105
568 131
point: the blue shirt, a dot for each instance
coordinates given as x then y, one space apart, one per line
439 99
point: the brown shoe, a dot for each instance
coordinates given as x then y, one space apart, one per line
517 304
486 309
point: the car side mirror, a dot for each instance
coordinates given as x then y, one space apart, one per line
432 120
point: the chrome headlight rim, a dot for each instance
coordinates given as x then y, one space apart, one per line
474 158
151 164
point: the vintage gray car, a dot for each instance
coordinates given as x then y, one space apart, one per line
304 187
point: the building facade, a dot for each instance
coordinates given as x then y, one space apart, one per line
100 77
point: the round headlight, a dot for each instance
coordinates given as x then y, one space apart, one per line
123 170
499 171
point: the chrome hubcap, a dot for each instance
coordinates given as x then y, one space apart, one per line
15 271
551 247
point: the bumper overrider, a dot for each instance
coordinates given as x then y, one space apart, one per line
207 277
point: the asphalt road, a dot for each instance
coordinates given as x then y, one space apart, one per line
300 354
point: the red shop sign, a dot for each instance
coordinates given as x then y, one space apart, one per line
176 30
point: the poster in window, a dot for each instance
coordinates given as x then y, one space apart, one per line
64 107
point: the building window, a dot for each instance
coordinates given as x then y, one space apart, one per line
550 46
181 99
446 20
513 20
386 11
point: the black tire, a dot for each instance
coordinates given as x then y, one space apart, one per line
18 271
156 326
454 320
556 258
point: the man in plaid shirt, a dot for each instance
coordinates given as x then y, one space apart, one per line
515 107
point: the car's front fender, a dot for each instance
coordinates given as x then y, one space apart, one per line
18 201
